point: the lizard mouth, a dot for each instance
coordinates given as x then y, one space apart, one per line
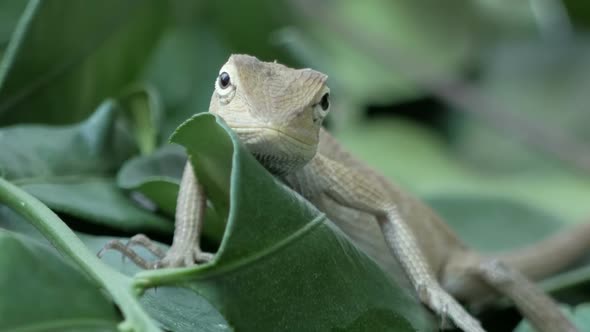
253 133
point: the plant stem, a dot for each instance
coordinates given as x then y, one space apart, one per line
120 287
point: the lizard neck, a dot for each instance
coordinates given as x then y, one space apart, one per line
279 153
305 181
280 165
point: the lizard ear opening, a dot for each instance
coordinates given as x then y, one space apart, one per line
322 107
325 101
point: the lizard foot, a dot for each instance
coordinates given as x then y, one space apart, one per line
447 308
182 258
175 257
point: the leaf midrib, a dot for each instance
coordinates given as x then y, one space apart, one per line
265 253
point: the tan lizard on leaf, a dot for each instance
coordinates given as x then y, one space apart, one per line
277 113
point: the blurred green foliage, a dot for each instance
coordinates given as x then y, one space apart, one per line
90 90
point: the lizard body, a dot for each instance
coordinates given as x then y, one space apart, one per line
277 113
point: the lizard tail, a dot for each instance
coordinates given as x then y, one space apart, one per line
551 255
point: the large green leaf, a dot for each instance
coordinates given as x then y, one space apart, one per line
67 56
72 168
482 221
41 292
281 265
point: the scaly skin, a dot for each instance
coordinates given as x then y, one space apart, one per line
277 112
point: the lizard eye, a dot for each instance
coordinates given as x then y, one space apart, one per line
224 87
224 80
325 102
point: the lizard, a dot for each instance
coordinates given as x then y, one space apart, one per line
277 113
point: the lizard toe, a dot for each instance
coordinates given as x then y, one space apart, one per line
201 256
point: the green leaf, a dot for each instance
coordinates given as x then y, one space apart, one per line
275 242
95 147
182 310
71 168
99 201
42 292
482 222
89 51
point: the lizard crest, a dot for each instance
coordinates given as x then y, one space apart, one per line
276 111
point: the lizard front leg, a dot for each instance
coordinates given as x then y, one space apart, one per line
351 188
190 211
185 249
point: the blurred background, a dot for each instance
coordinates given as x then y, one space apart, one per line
472 98
464 103
474 105
479 107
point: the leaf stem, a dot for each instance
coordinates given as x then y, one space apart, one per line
120 287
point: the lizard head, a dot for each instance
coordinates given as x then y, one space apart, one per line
276 111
